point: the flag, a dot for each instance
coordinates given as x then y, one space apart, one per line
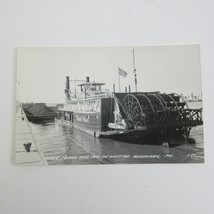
121 72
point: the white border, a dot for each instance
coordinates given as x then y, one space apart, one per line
169 188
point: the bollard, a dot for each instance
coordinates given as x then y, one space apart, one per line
191 140
27 146
165 144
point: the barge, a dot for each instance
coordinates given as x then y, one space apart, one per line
39 113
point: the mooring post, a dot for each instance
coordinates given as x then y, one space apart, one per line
27 146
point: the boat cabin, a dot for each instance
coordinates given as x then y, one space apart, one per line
92 89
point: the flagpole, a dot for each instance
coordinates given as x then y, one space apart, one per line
119 78
135 74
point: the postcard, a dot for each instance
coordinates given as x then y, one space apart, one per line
109 105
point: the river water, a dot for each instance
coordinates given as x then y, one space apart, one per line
66 146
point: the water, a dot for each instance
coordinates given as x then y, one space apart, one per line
64 145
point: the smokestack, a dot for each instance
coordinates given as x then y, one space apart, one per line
129 88
114 88
67 88
87 79
126 89
67 83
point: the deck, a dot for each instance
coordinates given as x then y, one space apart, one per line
23 136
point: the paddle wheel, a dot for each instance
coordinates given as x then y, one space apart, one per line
167 113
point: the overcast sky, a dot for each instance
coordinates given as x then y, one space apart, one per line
41 72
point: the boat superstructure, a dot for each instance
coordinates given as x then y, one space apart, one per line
87 110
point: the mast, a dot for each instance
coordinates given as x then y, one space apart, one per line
119 78
75 93
134 70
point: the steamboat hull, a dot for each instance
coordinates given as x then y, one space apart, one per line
172 134
90 122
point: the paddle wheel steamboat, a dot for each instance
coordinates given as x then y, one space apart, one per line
135 117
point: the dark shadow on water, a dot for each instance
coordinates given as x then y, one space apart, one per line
67 142
168 141
43 123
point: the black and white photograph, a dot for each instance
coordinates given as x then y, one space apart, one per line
109 105
106 107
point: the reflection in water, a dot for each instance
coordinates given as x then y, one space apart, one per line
64 145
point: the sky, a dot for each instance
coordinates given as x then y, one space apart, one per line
41 72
